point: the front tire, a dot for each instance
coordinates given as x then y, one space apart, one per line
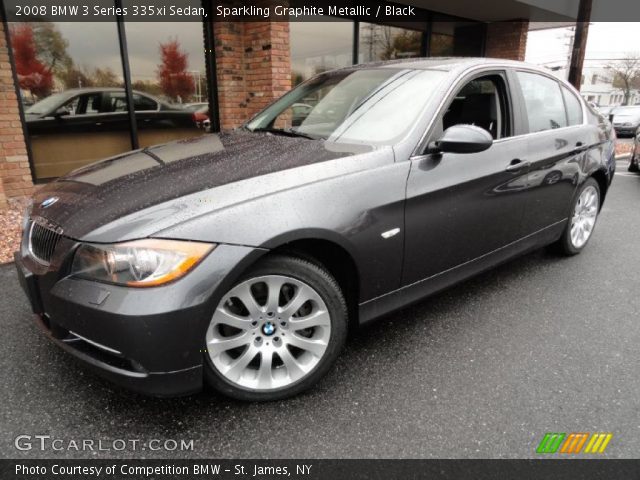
276 332
582 219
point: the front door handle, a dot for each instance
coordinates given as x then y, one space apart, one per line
517 165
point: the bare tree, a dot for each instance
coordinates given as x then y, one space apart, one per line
625 74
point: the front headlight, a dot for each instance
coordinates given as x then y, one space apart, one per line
141 263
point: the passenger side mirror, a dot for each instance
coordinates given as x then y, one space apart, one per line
462 139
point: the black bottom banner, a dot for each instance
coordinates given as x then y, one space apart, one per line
319 469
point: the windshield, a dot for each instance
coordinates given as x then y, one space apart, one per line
47 105
374 106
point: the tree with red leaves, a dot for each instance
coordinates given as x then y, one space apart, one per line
175 81
33 75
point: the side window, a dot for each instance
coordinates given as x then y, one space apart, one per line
142 103
116 102
72 105
543 100
481 102
574 107
92 103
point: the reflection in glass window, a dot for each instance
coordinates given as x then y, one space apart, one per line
167 75
319 46
382 42
62 78
574 107
452 36
543 100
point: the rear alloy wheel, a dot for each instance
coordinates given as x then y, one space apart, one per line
276 332
583 219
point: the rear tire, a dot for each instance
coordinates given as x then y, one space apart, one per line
582 219
633 165
283 348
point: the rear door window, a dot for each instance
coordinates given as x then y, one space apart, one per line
543 101
574 107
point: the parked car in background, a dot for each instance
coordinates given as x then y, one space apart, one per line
634 160
241 259
100 117
606 111
200 113
626 120
193 107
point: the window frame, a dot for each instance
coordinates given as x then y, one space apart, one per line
512 106
564 88
525 118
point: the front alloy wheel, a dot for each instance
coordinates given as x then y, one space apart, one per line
276 331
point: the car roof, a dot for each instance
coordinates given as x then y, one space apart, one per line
443 63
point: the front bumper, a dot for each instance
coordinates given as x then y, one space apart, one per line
150 340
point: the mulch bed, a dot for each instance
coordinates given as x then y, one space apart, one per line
10 223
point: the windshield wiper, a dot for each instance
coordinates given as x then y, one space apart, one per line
288 132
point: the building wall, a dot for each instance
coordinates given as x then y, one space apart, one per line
507 39
253 67
15 174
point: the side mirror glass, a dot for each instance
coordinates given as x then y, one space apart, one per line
462 139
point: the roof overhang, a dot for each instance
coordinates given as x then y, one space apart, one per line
503 10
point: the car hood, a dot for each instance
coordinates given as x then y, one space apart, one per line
621 117
102 192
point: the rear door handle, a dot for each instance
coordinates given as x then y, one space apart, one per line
517 165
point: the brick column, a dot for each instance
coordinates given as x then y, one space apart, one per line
507 39
15 173
254 67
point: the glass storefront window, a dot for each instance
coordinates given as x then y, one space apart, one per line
383 42
454 37
65 83
73 90
319 46
168 78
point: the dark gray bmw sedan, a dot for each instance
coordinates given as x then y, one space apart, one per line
242 259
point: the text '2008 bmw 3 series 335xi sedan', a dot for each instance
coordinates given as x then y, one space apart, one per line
241 259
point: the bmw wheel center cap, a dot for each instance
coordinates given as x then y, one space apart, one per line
268 328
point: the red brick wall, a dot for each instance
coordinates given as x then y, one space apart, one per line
15 173
507 39
254 67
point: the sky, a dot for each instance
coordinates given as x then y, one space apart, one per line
95 44
606 41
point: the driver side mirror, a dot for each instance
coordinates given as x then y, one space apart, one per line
462 139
